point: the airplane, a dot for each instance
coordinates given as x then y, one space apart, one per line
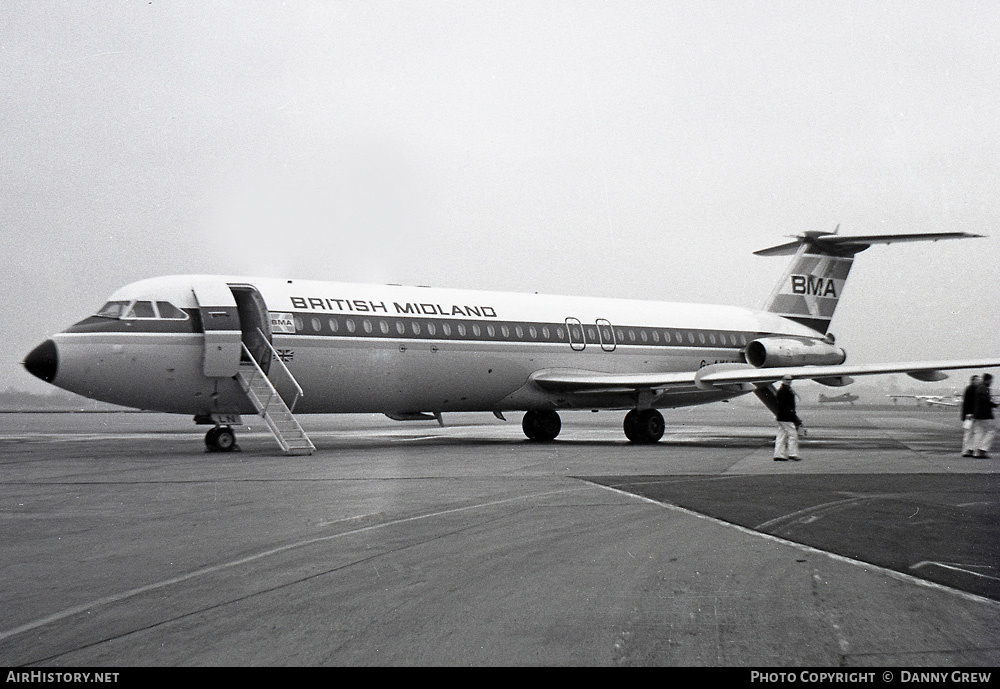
219 347
846 397
933 400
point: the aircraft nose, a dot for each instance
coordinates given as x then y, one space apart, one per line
43 361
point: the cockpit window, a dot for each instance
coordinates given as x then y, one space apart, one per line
141 309
168 310
114 309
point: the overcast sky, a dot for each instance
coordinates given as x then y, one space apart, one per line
627 149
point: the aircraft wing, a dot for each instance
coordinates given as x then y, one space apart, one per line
738 377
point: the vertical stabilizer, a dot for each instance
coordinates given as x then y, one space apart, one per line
814 281
811 287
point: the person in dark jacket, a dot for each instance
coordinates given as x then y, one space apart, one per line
968 402
786 442
983 426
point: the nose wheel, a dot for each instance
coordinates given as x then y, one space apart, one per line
221 439
643 427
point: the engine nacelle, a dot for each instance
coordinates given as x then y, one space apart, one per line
769 352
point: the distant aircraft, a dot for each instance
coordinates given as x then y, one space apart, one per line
219 347
846 397
934 400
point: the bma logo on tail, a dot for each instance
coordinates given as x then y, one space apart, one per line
811 288
817 286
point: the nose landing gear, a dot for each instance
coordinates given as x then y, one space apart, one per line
221 439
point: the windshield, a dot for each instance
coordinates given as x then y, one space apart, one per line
141 309
113 309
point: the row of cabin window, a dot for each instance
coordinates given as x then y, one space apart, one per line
537 332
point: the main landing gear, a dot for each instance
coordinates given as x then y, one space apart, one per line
643 427
541 424
221 439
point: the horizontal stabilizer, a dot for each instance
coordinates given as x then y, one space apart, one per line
856 243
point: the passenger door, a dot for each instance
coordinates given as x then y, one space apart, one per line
220 322
255 324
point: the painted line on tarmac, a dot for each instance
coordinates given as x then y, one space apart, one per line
57 437
810 549
819 511
956 567
131 593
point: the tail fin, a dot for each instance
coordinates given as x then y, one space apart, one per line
811 287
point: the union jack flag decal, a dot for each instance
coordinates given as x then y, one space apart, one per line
286 354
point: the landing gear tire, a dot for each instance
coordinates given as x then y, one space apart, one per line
629 425
644 427
220 439
541 424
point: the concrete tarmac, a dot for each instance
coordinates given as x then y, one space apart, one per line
402 543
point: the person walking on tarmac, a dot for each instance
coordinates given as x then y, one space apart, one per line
983 426
786 442
968 404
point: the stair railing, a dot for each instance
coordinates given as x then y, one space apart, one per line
276 357
258 373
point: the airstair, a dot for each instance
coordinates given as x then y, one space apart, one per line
271 406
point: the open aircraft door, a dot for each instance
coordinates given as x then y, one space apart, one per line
255 324
220 320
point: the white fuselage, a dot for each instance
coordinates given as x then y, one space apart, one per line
395 349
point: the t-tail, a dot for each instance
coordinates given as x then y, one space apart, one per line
814 282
